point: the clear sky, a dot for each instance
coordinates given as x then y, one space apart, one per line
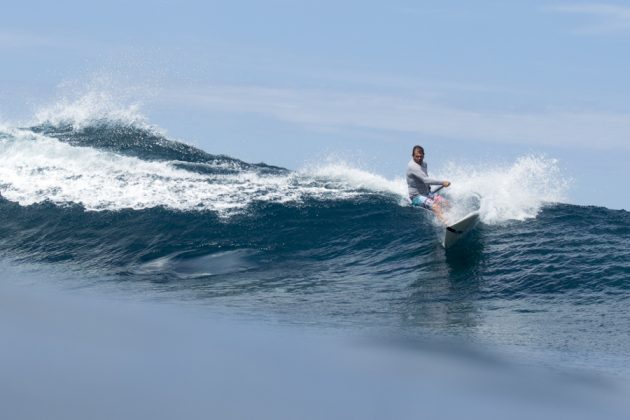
293 82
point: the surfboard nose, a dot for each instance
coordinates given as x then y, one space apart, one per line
459 229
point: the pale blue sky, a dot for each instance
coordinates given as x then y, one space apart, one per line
291 82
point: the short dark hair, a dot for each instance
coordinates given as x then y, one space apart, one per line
416 147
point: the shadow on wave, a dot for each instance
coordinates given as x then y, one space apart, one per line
147 144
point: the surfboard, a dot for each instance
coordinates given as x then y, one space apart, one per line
459 229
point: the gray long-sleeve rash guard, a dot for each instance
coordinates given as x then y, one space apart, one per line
418 180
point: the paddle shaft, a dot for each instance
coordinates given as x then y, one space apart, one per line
437 189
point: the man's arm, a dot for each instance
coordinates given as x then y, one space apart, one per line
417 172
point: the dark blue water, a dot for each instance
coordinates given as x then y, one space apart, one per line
123 207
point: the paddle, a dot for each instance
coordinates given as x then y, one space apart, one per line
437 189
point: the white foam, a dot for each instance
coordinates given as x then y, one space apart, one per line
37 168
516 191
351 177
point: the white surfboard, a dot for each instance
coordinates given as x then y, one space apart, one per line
459 229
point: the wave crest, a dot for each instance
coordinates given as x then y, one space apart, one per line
90 109
40 168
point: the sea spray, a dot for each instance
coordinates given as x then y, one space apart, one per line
516 191
99 100
353 177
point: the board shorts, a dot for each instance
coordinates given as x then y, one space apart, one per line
426 201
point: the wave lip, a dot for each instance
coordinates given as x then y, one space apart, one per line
116 167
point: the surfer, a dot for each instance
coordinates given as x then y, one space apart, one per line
419 184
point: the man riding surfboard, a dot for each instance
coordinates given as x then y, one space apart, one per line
419 184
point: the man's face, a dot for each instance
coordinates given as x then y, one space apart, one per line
418 156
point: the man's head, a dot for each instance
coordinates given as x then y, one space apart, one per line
418 154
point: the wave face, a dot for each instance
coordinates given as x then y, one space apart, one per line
121 196
116 199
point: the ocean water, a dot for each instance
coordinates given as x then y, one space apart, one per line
111 208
